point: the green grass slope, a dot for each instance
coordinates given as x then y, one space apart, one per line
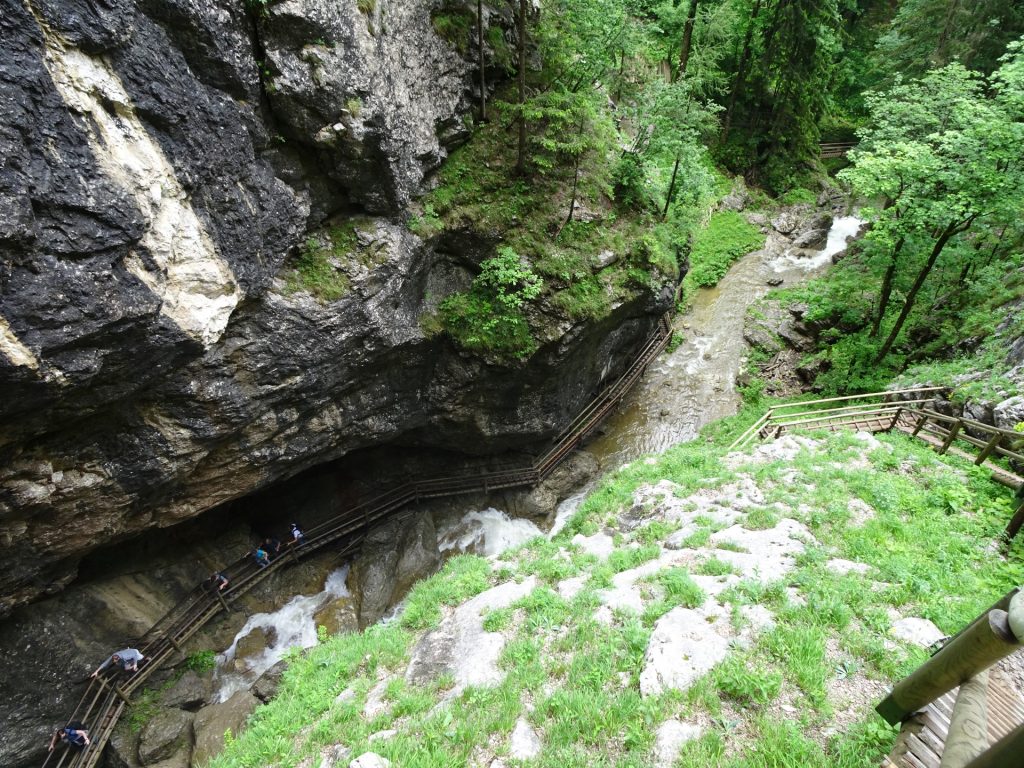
794 690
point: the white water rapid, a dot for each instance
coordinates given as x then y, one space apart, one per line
291 626
488 532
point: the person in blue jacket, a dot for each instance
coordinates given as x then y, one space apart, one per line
127 659
73 734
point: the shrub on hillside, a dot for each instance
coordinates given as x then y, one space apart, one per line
726 237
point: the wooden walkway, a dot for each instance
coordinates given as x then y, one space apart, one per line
877 413
923 736
107 696
999 474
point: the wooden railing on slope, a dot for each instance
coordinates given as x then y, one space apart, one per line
982 726
879 412
858 411
106 697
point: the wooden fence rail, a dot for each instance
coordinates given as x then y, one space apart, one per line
106 696
835 149
960 709
911 414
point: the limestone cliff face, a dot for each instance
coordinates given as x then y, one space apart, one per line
161 159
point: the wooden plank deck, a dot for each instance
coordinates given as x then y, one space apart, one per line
922 736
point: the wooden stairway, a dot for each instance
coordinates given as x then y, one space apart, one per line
107 696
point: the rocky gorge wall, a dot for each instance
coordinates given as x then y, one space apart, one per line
162 159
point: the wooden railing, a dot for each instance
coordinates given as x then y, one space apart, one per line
106 697
835 149
982 727
908 411
857 410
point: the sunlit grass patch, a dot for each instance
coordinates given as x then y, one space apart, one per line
677 588
800 649
462 577
630 557
713 566
655 531
548 561
746 681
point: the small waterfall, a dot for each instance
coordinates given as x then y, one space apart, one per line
567 508
488 532
843 229
291 626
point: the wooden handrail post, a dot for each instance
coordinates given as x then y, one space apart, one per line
895 419
223 602
974 650
954 430
968 719
115 688
1015 524
920 424
989 447
1005 753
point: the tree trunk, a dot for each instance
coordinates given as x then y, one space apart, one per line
939 57
622 75
684 53
741 72
480 49
671 188
951 229
575 180
521 156
886 292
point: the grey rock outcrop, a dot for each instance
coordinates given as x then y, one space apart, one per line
370 760
1009 413
164 159
213 721
461 646
393 557
189 692
164 735
813 239
265 688
376 96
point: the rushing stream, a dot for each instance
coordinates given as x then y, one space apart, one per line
696 384
681 392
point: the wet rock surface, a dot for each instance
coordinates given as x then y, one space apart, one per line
189 692
213 721
393 557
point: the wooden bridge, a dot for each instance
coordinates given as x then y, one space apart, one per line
107 696
835 149
964 708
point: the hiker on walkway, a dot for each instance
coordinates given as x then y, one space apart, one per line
127 659
73 734
298 537
261 556
272 546
218 582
